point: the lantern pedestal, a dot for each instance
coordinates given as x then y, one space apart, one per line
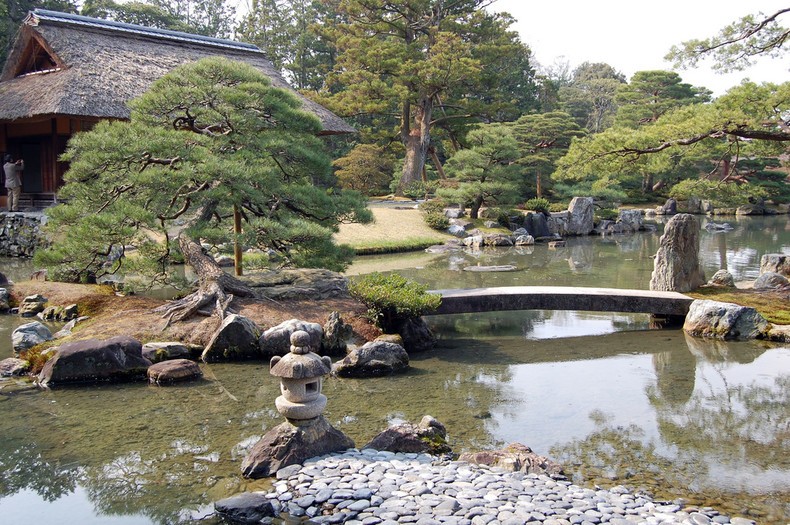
291 444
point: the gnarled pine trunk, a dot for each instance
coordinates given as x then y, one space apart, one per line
416 140
215 287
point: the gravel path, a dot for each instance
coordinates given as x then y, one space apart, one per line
370 487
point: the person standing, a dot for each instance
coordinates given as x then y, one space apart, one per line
13 181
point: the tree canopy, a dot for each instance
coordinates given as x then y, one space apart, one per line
737 45
207 138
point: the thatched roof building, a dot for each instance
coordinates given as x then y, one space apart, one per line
65 72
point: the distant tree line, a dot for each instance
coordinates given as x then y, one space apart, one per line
448 100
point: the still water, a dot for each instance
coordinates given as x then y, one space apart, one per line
612 401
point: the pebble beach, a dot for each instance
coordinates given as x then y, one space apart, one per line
371 487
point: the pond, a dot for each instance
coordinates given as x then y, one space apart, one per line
613 401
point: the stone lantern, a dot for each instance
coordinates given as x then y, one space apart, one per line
306 433
301 374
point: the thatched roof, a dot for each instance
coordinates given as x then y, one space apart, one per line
78 66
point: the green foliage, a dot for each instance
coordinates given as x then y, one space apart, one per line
484 173
650 94
558 206
410 67
205 139
538 204
433 214
367 169
543 138
683 143
720 194
737 44
590 96
606 214
391 298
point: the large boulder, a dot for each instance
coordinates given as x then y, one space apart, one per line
236 339
32 305
670 207
537 225
29 335
775 262
676 267
581 211
417 335
310 284
630 220
92 360
289 444
719 320
336 333
3 279
277 340
430 437
373 359
771 281
516 458
165 350
174 370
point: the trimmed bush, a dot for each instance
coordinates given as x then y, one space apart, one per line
538 204
392 298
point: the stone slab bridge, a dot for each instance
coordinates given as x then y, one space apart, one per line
670 304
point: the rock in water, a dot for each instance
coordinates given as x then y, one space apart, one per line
174 370
373 359
29 335
116 359
288 444
676 267
581 216
724 321
430 436
516 458
236 338
249 507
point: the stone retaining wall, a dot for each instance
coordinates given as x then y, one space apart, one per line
20 233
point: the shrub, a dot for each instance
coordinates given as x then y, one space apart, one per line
558 206
391 299
436 221
606 214
538 204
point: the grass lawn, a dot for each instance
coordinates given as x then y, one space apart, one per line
394 230
775 307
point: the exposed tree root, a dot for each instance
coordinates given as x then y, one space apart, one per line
216 288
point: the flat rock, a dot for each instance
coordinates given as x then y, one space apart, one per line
497 268
174 370
165 350
92 360
248 507
516 458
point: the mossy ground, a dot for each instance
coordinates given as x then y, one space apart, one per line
774 306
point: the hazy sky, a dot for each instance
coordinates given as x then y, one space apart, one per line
634 35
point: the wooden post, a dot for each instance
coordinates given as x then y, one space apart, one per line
237 262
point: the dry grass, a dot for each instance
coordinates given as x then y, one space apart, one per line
392 228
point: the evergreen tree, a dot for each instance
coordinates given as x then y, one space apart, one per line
207 139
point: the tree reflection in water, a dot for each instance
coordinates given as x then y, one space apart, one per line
718 435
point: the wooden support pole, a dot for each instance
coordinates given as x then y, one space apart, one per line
237 262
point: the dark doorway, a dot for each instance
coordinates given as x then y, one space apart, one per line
32 181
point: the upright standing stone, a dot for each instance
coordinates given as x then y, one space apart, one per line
581 216
676 267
